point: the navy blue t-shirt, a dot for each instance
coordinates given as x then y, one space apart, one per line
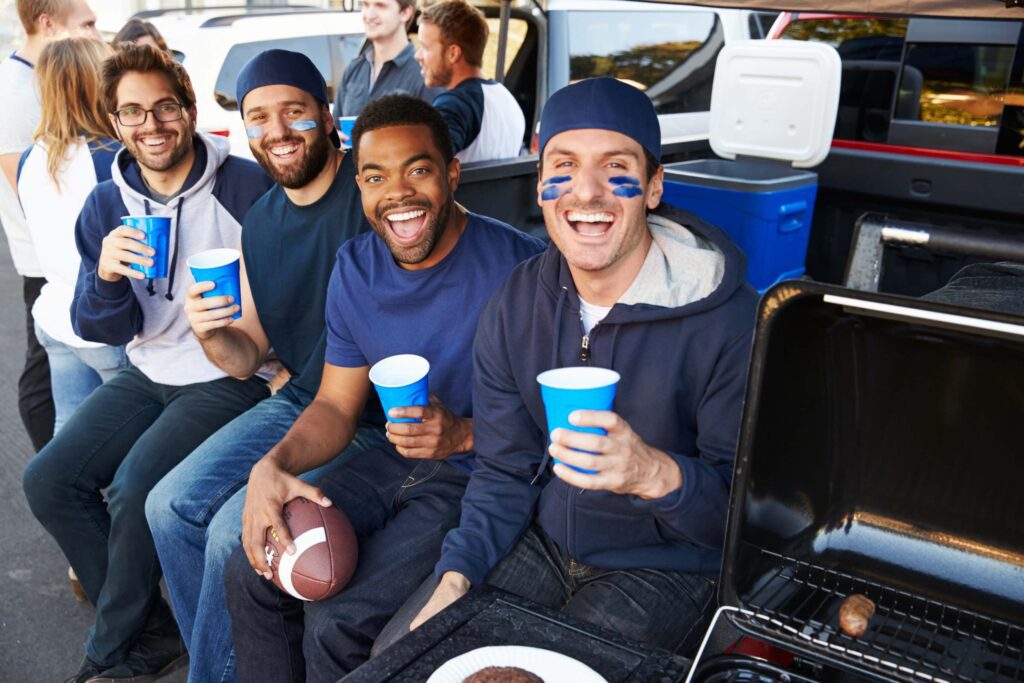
289 253
377 309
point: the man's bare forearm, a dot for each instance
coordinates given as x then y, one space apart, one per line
234 352
320 433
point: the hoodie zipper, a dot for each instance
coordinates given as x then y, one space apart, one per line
574 492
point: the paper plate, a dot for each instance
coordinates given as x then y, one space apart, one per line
551 666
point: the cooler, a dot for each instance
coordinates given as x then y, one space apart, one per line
773 110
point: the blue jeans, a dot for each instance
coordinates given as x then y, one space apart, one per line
125 437
195 514
667 609
74 372
401 510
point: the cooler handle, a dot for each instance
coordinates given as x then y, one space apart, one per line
791 216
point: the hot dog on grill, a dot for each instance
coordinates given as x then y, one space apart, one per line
854 615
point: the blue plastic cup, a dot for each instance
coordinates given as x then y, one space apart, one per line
219 266
346 123
158 235
401 381
564 390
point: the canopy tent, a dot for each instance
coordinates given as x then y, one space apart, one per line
965 9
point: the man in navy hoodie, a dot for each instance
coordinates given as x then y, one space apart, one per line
132 430
657 295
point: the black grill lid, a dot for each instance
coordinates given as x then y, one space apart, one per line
882 453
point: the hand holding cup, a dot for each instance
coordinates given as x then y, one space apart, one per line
122 247
435 433
620 460
219 270
206 315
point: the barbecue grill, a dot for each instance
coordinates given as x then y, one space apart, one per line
880 454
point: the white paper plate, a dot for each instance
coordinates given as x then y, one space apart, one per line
551 666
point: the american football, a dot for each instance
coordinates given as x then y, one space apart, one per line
326 551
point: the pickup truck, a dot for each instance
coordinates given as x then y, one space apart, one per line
928 133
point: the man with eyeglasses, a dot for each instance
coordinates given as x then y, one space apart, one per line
135 428
289 246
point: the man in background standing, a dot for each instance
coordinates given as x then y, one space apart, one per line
20 113
483 117
387 65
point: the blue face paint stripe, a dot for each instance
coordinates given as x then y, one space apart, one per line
558 180
552 192
301 126
627 191
624 180
625 186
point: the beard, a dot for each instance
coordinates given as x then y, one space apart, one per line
439 77
416 253
142 155
309 167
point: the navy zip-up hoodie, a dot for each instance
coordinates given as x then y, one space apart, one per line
683 371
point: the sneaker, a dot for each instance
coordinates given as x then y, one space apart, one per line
153 656
85 672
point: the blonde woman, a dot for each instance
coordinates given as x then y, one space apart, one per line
73 151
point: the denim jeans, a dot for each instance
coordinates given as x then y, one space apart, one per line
195 514
667 609
401 510
76 372
126 436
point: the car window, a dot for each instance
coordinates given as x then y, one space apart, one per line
871 49
866 38
955 84
669 55
759 23
317 48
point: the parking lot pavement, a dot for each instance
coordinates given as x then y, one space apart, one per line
42 628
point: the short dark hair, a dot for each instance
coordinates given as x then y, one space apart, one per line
135 29
145 59
460 24
402 110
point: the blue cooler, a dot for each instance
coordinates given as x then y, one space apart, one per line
773 109
765 208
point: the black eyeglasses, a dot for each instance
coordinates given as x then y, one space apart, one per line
136 116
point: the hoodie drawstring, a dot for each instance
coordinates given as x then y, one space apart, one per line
174 254
149 285
556 338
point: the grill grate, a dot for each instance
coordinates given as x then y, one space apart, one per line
910 638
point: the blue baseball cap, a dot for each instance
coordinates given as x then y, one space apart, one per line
282 67
606 104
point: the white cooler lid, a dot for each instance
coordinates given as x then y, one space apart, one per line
775 99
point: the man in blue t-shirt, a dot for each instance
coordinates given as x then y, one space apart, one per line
414 285
289 240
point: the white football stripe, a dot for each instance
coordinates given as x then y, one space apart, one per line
304 542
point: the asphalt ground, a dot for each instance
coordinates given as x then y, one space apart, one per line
42 627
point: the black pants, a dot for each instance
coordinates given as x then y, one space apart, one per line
35 398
